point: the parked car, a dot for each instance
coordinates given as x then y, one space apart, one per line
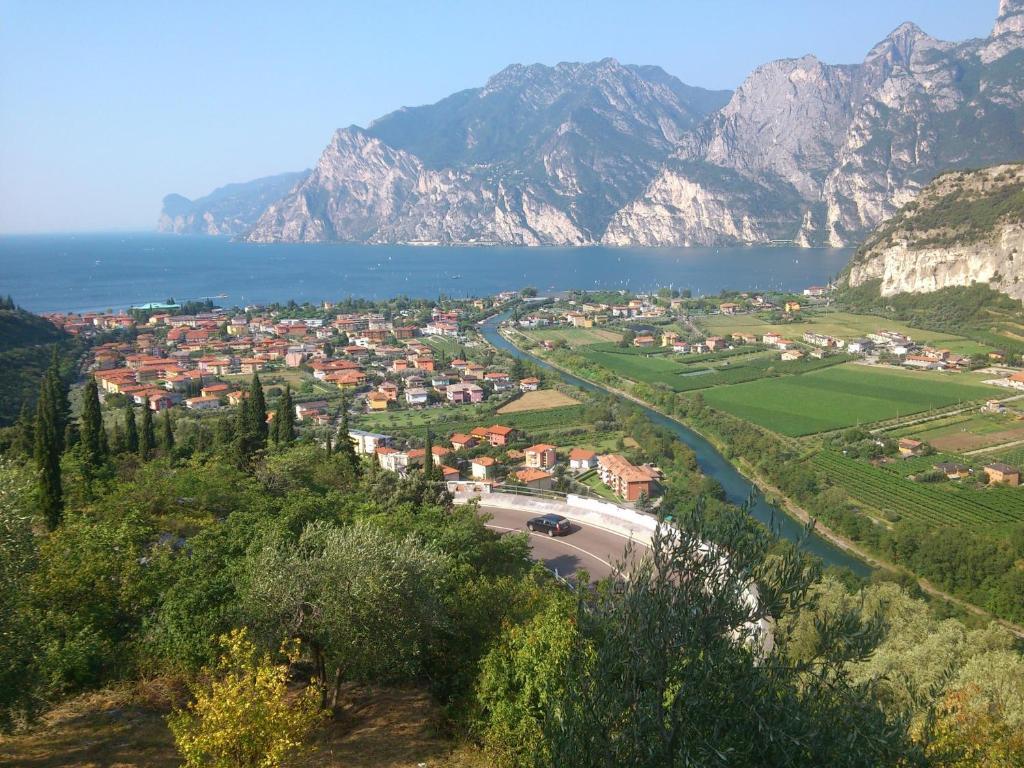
552 525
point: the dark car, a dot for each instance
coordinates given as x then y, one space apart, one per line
552 525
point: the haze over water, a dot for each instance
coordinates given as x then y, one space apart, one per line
100 271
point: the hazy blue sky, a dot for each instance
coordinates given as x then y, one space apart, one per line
105 106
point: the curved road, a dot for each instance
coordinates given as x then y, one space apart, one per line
594 550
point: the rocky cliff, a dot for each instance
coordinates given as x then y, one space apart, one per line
539 155
832 151
966 227
228 210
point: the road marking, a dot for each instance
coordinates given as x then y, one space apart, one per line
542 536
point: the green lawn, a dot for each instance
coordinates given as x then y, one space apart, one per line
841 396
574 337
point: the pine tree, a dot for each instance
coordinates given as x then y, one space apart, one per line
167 434
94 441
147 437
131 430
47 457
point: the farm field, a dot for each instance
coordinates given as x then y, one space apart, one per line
944 504
844 325
841 396
969 432
541 400
575 337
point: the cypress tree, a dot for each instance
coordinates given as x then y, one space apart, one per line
258 413
131 430
147 437
428 457
47 457
59 399
94 441
345 446
24 439
330 450
284 419
167 434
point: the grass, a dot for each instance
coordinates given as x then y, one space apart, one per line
378 728
541 400
593 481
841 396
968 432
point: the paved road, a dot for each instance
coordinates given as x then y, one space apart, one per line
587 547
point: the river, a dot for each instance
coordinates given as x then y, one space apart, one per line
711 463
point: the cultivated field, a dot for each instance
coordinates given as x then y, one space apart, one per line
541 400
841 396
945 504
969 432
575 337
843 325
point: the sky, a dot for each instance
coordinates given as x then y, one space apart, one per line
108 105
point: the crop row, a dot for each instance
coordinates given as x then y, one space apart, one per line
928 504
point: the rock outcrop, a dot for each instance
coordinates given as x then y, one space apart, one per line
539 155
964 228
228 210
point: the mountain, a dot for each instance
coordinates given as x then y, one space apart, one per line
965 227
821 153
26 347
228 210
539 155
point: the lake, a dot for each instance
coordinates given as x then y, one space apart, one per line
100 271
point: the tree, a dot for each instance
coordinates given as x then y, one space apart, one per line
363 602
673 667
167 434
284 419
345 446
93 435
131 430
59 398
147 438
428 456
257 411
24 439
47 456
242 715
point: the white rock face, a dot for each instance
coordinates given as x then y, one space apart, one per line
679 212
903 260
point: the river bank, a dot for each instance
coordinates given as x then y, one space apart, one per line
790 508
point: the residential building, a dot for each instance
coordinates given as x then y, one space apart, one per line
482 467
464 393
463 442
529 384
499 436
910 447
541 456
1003 474
536 479
627 481
580 459
367 443
416 396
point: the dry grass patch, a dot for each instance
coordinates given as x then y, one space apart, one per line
126 728
541 400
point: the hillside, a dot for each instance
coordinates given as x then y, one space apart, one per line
26 343
966 227
228 210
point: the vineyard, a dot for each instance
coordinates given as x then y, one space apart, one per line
942 505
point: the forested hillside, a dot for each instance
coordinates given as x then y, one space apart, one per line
26 346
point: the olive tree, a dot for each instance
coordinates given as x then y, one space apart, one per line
364 602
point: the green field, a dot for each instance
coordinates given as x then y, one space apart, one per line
575 337
942 504
841 396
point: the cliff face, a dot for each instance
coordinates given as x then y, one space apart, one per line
228 210
540 155
964 228
851 144
803 151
